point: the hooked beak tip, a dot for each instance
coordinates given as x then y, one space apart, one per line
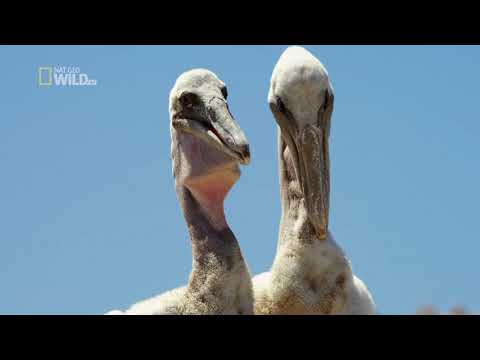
244 154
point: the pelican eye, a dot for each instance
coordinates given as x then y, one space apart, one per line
224 92
189 100
281 106
326 101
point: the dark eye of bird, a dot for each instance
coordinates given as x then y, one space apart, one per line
280 105
189 100
224 92
325 101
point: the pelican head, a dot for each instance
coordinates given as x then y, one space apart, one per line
301 100
203 127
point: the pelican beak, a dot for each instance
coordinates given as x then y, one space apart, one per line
219 129
227 130
315 179
309 148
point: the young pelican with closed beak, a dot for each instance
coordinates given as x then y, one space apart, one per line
310 273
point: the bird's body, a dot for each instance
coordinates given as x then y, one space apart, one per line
207 146
310 273
308 279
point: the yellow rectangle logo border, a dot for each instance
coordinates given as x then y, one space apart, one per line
41 69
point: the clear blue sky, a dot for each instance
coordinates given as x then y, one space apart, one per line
89 216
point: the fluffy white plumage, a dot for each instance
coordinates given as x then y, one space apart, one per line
310 273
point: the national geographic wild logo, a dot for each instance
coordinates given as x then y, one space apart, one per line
63 76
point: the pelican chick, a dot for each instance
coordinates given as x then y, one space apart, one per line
207 148
310 274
